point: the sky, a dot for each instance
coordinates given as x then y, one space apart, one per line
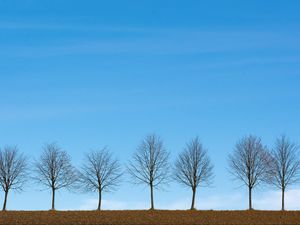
89 74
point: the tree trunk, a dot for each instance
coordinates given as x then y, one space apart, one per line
250 198
100 198
5 200
152 201
282 199
193 199
53 199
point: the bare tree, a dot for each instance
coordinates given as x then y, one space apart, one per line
285 170
100 172
150 164
249 163
54 170
193 167
12 171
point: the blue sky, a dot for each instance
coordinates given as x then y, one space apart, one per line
90 74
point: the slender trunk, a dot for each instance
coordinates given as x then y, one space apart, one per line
5 200
193 198
100 198
250 198
152 201
282 198
53 199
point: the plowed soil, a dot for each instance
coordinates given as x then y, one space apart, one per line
144 217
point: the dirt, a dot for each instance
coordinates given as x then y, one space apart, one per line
146 217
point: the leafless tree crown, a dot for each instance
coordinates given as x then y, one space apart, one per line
12 169
193 167
150 163
285 164
54 168
249 161
100 172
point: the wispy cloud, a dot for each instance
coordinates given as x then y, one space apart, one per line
139 40
42 112
270 200
142 45
91 204
216 202
9 25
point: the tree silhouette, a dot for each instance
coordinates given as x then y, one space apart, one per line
100 172
285 169
150 164
249 163
13 173
54 170
193 167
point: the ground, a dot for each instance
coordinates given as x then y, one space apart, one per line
147 217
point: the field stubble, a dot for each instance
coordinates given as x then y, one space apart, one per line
149 217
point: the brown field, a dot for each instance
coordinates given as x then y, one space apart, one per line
144 217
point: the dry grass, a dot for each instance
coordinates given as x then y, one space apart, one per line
145 217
